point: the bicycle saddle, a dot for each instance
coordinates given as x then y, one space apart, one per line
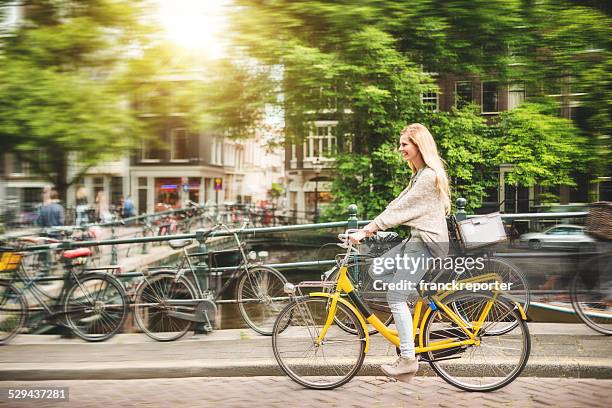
76 253
179 243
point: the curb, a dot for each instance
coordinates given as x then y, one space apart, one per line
560 368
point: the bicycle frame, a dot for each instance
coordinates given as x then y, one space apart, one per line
345 286
30 285
243 268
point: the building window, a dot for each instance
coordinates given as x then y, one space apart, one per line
430 101
516 95
142 195
17 167
150 152
217 152
31 198
167 193
98 185
229 155
321 141
116 189
194 189
463 93
178 144
490 97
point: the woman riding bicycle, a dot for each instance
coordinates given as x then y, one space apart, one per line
423 206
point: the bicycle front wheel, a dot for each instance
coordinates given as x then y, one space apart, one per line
509 274
261 297
492 363
154 312
96 307
327 365
13 312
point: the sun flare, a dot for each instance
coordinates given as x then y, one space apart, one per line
197 25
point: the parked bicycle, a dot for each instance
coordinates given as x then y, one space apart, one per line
90 302
313 351
169 302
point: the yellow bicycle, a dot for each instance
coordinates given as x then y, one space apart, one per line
456 332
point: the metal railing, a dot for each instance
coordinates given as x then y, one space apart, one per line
201 235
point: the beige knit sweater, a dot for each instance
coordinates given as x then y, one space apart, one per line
420 207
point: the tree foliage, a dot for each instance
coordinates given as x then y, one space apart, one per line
59 105
362 65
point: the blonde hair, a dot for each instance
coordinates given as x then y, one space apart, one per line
421 137
81 193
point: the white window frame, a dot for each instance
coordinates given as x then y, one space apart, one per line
143 153
426 100
516 87
482 98
173 133
471 87
313 138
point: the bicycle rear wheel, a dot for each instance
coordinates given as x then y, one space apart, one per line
327 365
154 313
96 307
496 361
591 294
13 312
261 297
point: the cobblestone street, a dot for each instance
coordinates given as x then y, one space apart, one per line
282 392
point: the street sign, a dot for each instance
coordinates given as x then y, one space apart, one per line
218 183
186 188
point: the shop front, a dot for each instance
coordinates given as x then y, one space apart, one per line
171 192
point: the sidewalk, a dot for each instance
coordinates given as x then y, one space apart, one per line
558 350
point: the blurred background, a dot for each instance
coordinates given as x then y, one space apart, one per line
298 104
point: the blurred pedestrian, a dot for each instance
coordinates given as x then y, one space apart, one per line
102 211
52 213
128 208
82 207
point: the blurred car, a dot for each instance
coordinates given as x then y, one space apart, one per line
559 236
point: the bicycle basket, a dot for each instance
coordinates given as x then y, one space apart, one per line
224 257
9 261
480 231
599 220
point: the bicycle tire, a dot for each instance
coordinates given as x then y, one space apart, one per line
270 284
96 307
518 292
451 365
13 312
293 343
590 304
151 312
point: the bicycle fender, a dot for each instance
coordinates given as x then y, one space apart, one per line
422 325
521 310
353 309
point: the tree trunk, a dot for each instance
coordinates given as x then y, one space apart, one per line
60 167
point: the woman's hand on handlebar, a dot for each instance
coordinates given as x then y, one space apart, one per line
357 236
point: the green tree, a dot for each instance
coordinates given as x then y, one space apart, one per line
543 148
60 109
